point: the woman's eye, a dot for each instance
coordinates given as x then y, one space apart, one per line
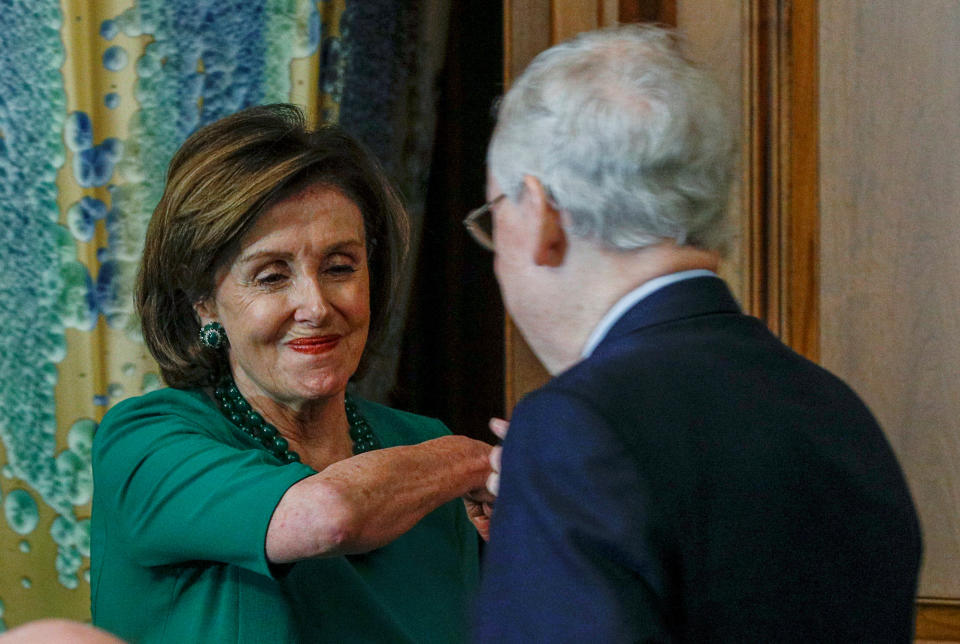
340 265
269 279
342 269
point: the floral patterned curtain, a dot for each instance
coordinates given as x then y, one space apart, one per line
95 97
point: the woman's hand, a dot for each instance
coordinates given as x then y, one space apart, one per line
365 502
479 503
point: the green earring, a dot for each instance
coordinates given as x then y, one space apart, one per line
213 336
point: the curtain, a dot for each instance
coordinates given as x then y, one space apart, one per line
395 53
95 97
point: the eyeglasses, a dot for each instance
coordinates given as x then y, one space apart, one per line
479 223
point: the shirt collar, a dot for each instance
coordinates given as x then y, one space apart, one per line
628 301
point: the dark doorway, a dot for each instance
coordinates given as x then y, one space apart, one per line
451 365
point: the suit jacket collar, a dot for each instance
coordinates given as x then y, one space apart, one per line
685 299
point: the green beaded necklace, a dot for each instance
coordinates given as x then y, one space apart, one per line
236 408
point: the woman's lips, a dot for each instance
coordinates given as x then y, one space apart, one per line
320 344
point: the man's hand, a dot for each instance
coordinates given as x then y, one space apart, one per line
499 427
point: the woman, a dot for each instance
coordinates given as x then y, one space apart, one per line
253 500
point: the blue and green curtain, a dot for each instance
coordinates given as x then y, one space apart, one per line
95 97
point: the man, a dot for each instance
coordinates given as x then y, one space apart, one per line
684 476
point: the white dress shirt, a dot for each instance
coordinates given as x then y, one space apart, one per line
626 303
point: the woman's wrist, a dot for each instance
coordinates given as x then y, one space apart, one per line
468 461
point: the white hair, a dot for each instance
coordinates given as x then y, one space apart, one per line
628 137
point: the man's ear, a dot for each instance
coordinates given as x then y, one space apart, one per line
551 241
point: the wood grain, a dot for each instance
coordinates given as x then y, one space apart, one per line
663 12
609 12
800 204
890 242
526 32
570 17
713 33
938 621
780 219
755 181
524 372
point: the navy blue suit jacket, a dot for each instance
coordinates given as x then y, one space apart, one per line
696 480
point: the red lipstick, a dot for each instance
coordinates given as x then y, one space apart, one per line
315 345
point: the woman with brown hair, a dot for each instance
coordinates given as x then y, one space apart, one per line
254 499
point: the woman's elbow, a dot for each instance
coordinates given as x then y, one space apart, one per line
314 519
338 530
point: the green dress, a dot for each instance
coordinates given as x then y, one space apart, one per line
182 501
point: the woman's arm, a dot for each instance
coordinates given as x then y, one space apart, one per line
367 501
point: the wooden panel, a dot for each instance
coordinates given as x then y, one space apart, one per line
938 622
609 12
755 184
793 235
714 32
662 12
780 218
524 372
890 241
570 17
764 54
526 32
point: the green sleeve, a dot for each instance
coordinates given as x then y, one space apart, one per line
179 485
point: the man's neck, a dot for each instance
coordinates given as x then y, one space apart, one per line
600 278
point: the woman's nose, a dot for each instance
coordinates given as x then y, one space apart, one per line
312 305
